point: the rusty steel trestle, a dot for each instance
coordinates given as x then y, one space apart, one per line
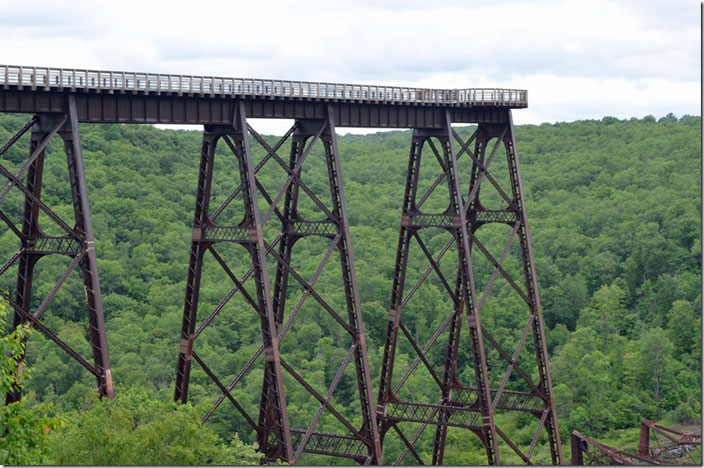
586 451
670 445
276 434
76 242
471 406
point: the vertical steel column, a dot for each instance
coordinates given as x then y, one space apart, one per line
449 375
290 217
89 266
453 342
288 239
576 450
531 282
644 440
488 432
78 243
195 265
354 311
399 279
30 228
276 414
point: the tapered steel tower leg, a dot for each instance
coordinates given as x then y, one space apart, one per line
460 405
278 438
78 243
251 227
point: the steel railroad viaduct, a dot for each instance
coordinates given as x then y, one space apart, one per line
182 99
60 99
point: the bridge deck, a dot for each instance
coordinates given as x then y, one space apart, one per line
112 96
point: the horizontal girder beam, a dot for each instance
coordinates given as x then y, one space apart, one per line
436 414
197 110
336 445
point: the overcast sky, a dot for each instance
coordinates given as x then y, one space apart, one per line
578 59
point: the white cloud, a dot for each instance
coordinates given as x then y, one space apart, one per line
577 59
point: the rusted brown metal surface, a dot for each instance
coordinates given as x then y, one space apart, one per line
76 241
586 451
658 445
669 446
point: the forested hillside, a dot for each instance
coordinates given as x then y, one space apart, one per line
614 209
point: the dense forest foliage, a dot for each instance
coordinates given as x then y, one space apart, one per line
614 209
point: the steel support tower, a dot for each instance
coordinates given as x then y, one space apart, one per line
472 403
76 241
277 435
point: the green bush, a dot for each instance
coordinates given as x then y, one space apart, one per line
136 429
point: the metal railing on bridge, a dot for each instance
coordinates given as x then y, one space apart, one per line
77 80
